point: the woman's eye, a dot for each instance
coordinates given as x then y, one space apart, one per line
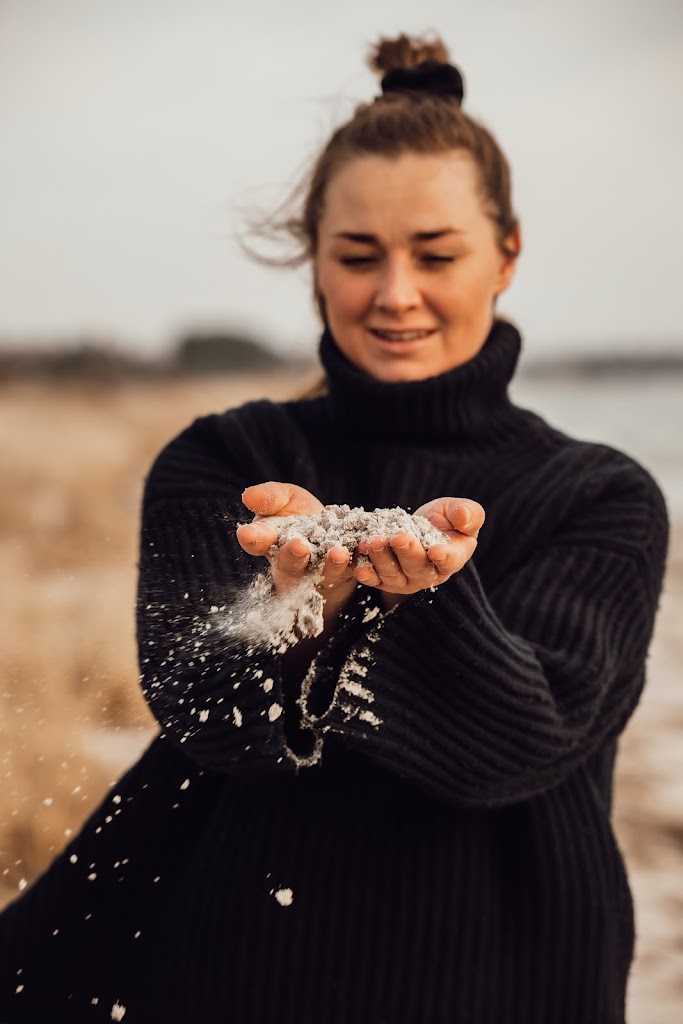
433 258
357 261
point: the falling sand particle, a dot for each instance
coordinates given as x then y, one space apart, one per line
285 897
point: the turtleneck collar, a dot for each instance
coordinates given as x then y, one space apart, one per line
468 402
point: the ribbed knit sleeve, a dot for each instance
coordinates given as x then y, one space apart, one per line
215 691
485 699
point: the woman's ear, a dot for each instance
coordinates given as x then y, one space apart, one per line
512 247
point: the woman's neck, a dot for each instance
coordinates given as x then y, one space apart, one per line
468 402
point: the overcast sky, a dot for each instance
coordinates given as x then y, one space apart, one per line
133 132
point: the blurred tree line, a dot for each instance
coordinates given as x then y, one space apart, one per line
196 352
200 352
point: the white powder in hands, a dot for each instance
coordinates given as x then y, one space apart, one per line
280 620
341 525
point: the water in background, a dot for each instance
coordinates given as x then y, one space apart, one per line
643 417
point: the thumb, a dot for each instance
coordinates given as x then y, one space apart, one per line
465 515
280 499
460 514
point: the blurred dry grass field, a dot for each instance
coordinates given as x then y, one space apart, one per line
72 462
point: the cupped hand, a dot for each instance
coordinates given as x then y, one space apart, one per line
290 563
401 566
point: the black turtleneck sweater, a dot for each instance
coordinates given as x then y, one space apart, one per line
424 834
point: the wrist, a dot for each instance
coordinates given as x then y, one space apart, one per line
335 600
390 601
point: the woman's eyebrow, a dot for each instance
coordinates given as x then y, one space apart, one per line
430 236
419 236
354 236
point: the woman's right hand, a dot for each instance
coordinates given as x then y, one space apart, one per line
290 563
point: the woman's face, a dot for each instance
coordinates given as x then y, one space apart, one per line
408 265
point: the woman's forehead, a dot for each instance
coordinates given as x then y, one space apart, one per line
411 195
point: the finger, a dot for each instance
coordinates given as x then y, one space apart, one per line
280 499
412 557
335 566
445 558
386 565
292 559
256 538
367 574
453 554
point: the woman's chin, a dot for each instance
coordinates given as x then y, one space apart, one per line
401 371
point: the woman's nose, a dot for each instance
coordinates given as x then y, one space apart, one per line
397 289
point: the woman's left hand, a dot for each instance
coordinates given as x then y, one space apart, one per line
400 564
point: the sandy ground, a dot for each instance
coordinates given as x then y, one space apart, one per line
72 462
649 816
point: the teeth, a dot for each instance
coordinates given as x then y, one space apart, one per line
401 335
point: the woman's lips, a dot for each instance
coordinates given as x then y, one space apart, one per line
400 341
414 335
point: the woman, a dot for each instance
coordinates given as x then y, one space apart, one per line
406 818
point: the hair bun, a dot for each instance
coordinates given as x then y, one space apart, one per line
430 76
406 52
